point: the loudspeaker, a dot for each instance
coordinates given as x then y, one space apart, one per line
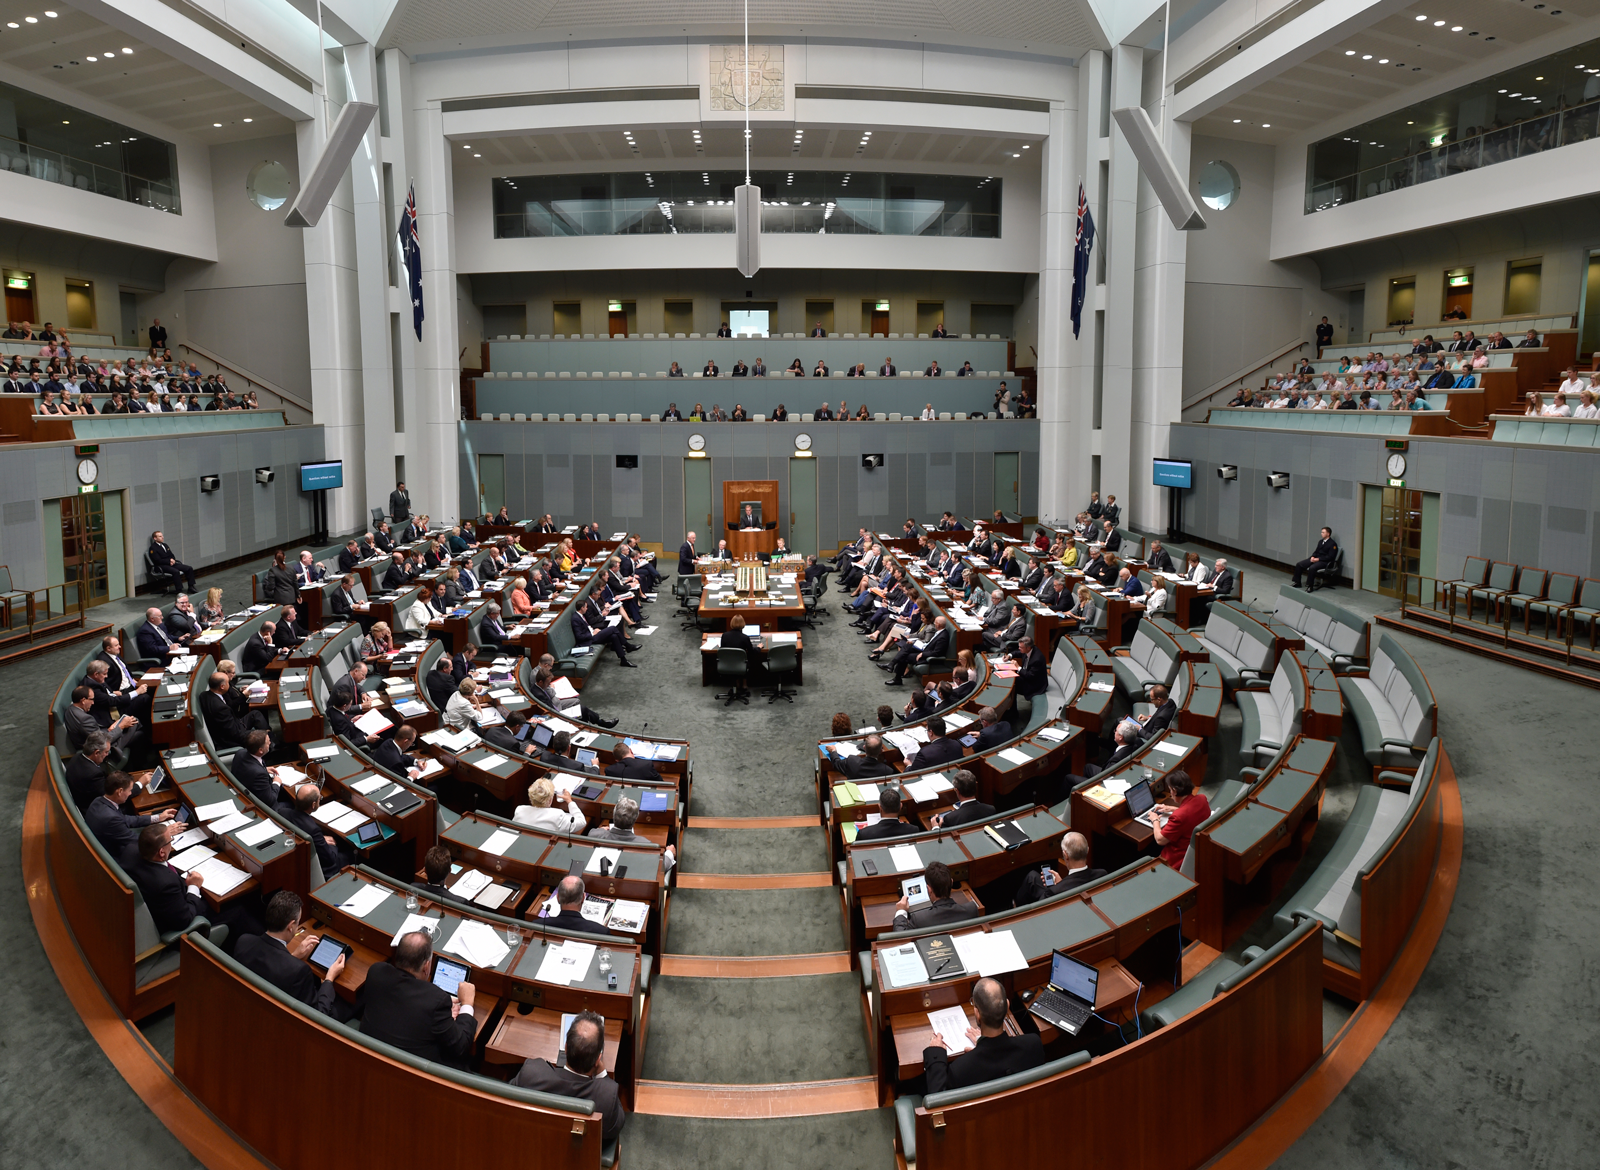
871 461
1278 479
747 229
318 187
1227 471
627 462
210 483
265 475
1156 163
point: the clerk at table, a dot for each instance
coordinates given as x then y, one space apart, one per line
994 1053
402 1007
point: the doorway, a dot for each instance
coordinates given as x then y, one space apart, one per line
1457 295
1402 300
818 311
1356 308
1522 286
803 505
491 484
19 298
129 304
617 322
1589 321
1007 482
697 502
568 318
1399 541
930 315
875 319
80 304
85 548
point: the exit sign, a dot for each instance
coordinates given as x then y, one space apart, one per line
88 488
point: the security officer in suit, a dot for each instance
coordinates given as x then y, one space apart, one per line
1326 552
166 561
399 503
941 908
401 1006
968 807
939 750
994 1054
279 955
628 766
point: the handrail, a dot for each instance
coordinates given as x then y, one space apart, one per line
249 378
1240 376
53 617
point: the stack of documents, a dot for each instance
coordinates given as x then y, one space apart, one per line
905 858
990 954
903 967
499 841
479 944
221 877
430 923
565 962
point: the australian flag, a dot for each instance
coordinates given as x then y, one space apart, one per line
1084 244
411 254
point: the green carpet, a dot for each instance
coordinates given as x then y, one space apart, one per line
851 1141
756 922
755 850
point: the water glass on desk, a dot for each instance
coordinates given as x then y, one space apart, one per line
604 958
412 904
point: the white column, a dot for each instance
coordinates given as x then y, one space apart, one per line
1081 442
1120 234
431 431
399 151
1060 408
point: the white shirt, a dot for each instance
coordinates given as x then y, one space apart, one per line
1555 411
1591 411
928 415
1156 600
458 712
1199 574
1572 387
551 820
417 617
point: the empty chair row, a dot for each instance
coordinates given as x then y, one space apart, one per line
714 337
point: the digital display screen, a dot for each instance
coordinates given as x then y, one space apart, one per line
317 476
1173 473
327 952
448 976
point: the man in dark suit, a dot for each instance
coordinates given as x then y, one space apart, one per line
569 897
994 732
287 631
938 646
868 765
583 1077
891 823
686 555
171 896
258 651
440 682
968 807
225 728
254 775
940 331
941 907
279 955
86 773
588 628
152 638
343 599
1159 559
392 753
401 1006
382 537
134 702
1326 552
396 577
1031 673
1223 582
628 766
1164 711
115 829
1128 737
1074 872
1014 629
1111 541
887 370
994 1054
399 503
724 330
938 751
166 561
818 331
333 853
181 623
962 684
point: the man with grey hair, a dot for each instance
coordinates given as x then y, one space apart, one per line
569 897
1074 871
623 818
1128 737
86 773
491 630
403 1007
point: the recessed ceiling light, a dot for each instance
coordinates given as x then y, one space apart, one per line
1349 52
477 156
1366 56
1538 79
1024 148
1502 91
1410 123
14 24
1422 18
1383 60
64 122
1517 94
91 58
50 14
127 50
31 19
1457 28
249 119
464 146
1266 125
218 125
1438 24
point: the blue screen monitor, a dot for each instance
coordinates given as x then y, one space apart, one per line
316 476
1174 473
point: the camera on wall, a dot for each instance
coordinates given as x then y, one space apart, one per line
1227 471
1277 479
871 462
265 475
210 483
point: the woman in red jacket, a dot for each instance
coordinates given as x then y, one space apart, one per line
1181 809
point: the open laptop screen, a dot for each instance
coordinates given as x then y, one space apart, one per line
1139 799
1073 977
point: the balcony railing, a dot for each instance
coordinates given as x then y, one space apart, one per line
24 159
865 217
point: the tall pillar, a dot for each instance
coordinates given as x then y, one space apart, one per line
1062 423
431 431
1120 234
1082 440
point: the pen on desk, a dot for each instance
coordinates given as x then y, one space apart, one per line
942 965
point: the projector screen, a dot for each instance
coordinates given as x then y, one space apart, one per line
1173 473
316 476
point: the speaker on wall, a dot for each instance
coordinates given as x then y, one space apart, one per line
628 462
343 138
747 229
1159 169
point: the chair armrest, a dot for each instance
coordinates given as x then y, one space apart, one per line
198 923
1256 772
1328 923
1395 778
1252 684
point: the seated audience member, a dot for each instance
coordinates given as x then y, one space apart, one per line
115 829
1074 872
400 1005
968 807
279 955
1180 810
333 852
994 1055
540 811
892 823
569 897
941 907
583 1077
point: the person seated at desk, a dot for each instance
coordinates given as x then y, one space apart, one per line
461 709
623 817
287 632
869 763
675 372
342 601
152 638
392 753
308 571
333 852
941 908
781 413
584 1076
968 807
436 864
740 370
966 371
1180 809
940 749
82 725
225 726
182 623
172 898
397 576
279 955
710 370
1032 675
672 413
569 895
937 646
401 1006
892 823
1164 711
540 811
994 1053
249 770
824 413
349 556
627 766
1128 738
1075 871
1013 631
115 829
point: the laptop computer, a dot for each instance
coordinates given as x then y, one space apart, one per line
1140 801
1068 1000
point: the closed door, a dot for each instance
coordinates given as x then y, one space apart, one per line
803 505
880 322
618 320
19 304
491 484
1399 540
697 502
1007 485
79 553
129 305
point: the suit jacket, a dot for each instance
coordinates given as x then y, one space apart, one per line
1114 761
1224 583
572 920
181 625
117 830
546 1078
938 646
152 641
993 735
388 755
253 774
328 856
685 559
383 541
86 780
1031 679
992 1058
885 830
1161 718
934 914
738 640
1161 562
633 768
255 655
340 603
288 633
270 958
171 903
864 767
440 687
348 560
399 505
935 754
1072 881
80 724
967 812
414 1015
1326 551
160 553
118 676
279 585
221 722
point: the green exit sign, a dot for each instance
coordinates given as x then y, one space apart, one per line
88 488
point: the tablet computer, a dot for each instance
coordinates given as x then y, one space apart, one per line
448 975
588 791
541 734
328 951
587 757
369 833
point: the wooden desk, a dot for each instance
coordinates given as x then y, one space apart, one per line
520 1037
878 909
763 645
785 603
751 542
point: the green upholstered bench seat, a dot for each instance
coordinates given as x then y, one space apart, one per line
905 1108
1220 976
1152 658
1333 631
1393 707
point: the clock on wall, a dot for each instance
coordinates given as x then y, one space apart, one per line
88 471
1397 465
802 442
697 442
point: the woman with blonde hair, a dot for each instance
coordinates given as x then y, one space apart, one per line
566 555
463 706
967 659
379 642
540 811
211 607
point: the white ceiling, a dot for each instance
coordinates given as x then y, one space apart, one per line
1404 52
146 83
1063 27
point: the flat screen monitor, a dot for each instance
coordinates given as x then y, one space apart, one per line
317 476
1174 473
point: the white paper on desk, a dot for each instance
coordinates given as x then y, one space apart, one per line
373 722
470 884
557 725
599 852
957 719
220 877
990 954
493 897
257 833
869 792
210 812
193 837
1100 686
428 767
396 681
498 842
228 823
404 688
415 922
643 631
188 761
565 963
301 705
1054 734
950 1024
330 811
1014 756
349 821
905 857
190 858
479 944
628 917
563 688
409 708
499 765
844 749
370 784
1171 749
903 965
174 690
921 791
1117 785
585 738
322 751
